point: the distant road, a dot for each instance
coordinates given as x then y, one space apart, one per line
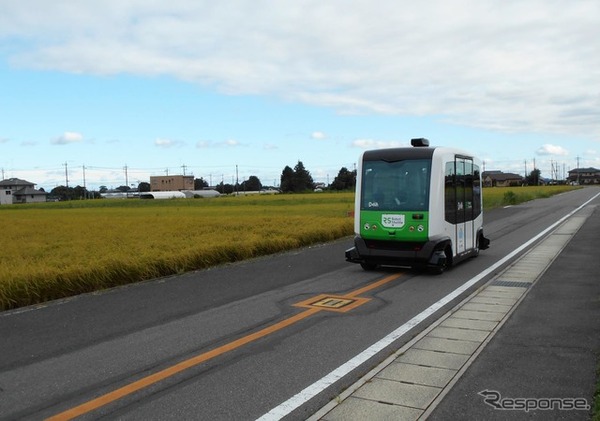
231 342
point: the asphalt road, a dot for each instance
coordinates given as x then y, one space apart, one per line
229 342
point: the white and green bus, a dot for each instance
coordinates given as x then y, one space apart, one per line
418 207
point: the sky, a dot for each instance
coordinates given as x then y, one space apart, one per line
112 92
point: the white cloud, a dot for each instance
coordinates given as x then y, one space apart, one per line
376 144
548 149
167 143
511 66
229 143
318 135
67 138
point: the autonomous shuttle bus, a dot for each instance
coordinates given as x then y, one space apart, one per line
419 207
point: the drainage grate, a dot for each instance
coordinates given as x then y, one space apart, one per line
515 284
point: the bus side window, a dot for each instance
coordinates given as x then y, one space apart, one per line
476 191
450 193
469 190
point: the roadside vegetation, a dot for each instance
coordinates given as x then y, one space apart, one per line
495 197
56 250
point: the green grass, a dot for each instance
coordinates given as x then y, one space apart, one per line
495 197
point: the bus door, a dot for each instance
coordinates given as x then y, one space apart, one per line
465 232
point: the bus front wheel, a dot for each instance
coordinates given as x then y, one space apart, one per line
368 266
445 264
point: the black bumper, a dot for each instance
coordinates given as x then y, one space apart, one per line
430 253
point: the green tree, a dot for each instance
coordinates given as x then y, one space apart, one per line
345 180
224 188
287 180
143 187
200 184
296 180
79 193
533 179
302 180
62 192
69 193
251 184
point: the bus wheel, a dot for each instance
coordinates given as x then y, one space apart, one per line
438 270
368 266
477 245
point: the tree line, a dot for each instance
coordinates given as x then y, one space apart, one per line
292 180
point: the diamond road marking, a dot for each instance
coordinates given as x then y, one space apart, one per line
333 302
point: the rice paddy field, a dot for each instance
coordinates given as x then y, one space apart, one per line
56 250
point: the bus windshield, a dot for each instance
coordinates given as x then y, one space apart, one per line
396 186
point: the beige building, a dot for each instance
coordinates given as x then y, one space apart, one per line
500 179
15 190
171 182
584 176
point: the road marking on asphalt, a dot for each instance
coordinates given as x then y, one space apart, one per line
337 303
314 305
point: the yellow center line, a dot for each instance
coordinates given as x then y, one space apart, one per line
374 285
198 359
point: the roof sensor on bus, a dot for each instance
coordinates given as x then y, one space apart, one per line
420 141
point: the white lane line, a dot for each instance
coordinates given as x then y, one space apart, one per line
317 387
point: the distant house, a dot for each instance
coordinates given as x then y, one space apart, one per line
15 190
501 179
584 176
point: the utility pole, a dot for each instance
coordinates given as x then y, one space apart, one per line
578 170
126 176
84 189
66 174
184 167
237 179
